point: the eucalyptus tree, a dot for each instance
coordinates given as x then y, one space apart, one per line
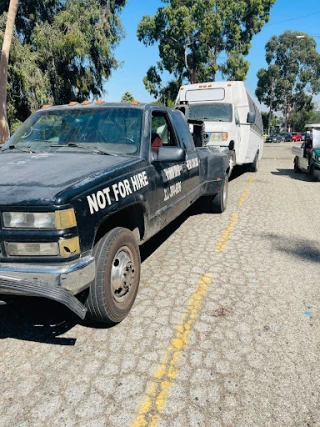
68 46
192 34
292 75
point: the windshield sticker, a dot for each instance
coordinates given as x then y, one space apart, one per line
120 190
172 191
192 163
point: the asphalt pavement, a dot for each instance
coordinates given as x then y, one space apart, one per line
224 331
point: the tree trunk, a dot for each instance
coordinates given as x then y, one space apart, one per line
4 129
270 111
194 76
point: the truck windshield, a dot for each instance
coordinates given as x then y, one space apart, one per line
211 112
113 130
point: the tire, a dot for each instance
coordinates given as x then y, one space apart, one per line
114 290
254 166
295 166
218 202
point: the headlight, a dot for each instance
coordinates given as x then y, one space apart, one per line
64 248
41 220
318 159
32 249
218 136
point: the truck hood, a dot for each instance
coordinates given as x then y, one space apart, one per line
54 178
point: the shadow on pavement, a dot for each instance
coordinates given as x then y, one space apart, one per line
37 320
294 175
308 250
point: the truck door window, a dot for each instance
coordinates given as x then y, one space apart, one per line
161 127
183 132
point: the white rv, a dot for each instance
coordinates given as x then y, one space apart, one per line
232 119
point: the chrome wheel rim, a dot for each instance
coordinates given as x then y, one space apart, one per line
122 274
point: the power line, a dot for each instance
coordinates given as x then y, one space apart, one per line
292 19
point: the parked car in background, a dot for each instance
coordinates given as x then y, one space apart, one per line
287 137
296 136
274 138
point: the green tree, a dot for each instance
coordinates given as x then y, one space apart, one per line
127 97
192 34
314 116
292 76
69 49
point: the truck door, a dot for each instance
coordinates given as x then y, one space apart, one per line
171 178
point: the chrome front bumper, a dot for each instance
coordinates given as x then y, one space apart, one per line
59 282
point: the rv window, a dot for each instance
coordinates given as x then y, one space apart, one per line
216 94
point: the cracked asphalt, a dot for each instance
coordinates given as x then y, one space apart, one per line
224 331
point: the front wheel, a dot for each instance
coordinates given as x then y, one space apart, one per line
115 287
218 202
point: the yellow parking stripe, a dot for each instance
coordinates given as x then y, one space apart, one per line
251 180
221 245
157 393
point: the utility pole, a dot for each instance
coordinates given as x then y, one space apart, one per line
271 101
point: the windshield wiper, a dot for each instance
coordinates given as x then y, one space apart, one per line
92 149
213 119
14 147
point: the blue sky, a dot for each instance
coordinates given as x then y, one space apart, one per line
136 58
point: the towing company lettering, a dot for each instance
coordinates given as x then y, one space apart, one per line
121 189
172 191
192 163
172 172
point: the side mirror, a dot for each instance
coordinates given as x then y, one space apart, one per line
170 154
184 109
251 117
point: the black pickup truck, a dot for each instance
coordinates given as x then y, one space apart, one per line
82 186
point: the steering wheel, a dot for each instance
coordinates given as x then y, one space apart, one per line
131 141
28 134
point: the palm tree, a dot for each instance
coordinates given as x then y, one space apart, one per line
4 129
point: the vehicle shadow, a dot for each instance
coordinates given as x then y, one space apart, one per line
292 174
37 320
44 321
305 249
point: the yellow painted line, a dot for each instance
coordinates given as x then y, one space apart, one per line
156 395
243 197
250 180
221 245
